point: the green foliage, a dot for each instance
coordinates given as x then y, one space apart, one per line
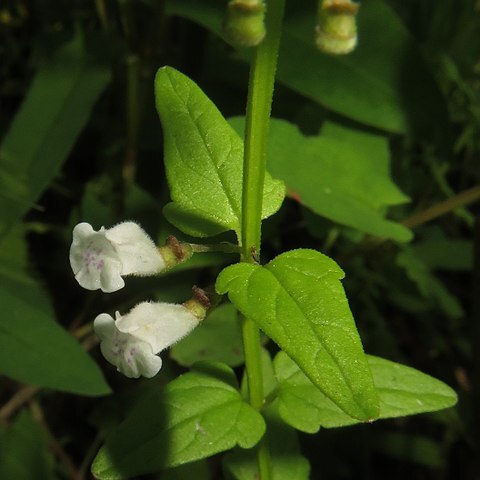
197 415
364 144
384 83
24 451
204 160
287 461
51 118
401 390
219 340
33 347
440 253
410 448
299 302
428 285
198 470
342 174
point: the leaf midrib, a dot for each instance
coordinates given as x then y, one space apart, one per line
349 387
230 201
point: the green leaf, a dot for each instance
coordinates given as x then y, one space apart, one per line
384 83
198 470
218 338
402 391
438 252
197 415
34 348
428 284
24 451
299 302
52 116
203 159
286 460
410 448
342 175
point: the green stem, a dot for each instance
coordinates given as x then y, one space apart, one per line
261 84
262 77
224 247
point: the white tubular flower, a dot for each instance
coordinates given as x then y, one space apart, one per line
100 259
131 356
131 342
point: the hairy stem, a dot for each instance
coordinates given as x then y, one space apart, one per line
261 84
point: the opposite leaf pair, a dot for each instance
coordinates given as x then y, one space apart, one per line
131 342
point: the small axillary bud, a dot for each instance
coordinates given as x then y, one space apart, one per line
336 29
244 23
175 252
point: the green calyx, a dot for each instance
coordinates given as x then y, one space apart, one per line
175 252
336 29
199 303
244 23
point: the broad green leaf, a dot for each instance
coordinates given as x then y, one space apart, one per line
203 160
402 391
287 463
298 301
218 338
342 174
197 470
14 255
24 452
384 83
33 347
428 284
52 116
197 415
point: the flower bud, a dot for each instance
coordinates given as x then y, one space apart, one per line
336 29
244 23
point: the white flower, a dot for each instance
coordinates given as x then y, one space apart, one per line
131 342
100 259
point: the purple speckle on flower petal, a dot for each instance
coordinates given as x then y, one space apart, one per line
92 257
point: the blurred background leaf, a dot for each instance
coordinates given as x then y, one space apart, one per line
44 131
24 451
